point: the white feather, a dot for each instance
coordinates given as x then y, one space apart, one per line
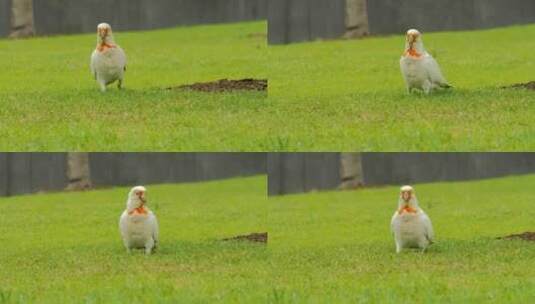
421 72
138 230
108 64
411 229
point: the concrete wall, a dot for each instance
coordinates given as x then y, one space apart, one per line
394 16
5 9
22 173
302 172
67 16
301 20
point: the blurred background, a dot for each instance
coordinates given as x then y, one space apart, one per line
22 18
304 172
22 173
301 20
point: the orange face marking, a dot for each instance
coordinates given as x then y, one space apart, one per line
104 47
407 209
412 53
139 210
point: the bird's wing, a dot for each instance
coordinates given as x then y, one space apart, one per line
121 57
155 230
434 73
122 223
93 63
393 222
428 227
403 67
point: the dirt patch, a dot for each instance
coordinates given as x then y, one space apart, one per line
253 237
225 85
526 236
528 86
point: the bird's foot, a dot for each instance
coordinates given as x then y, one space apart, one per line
427 87
102 87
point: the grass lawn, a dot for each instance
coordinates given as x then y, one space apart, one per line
323 248
65 247
334 95
349 94
49 100
336 247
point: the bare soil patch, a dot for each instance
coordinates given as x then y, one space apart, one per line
528 86
225 85
261 237
526 236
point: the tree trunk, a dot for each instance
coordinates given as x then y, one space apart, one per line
78 171
21 19
351 171
356 19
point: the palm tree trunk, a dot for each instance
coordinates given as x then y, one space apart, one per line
21 19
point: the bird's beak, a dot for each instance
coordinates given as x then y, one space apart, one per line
141 196
411 39
406 196
103 32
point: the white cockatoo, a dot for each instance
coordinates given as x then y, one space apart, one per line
138 225
420 70
108 61
410 225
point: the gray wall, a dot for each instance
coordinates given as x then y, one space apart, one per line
394 16
83 15
67 16
300 20
406 168
22 173
31 172
293 172
302 172
5 8
140 168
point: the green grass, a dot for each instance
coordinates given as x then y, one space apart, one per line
331 95
50 102
66 248
349 94
330 247
336 247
